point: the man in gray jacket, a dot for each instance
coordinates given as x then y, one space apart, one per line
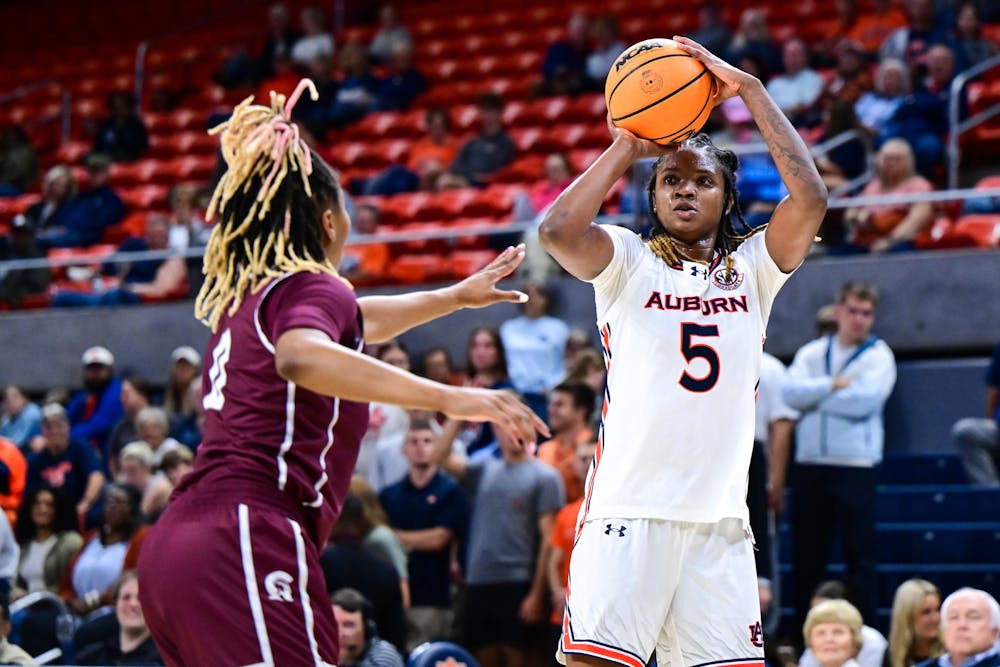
839 383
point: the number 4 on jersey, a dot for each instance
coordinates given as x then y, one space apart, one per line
692 352
214 399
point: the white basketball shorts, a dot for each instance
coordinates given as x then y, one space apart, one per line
686 590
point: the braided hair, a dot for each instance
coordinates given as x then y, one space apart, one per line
269 205
727 239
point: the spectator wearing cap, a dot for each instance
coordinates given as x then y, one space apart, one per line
184 372
65 462
138 469
122 136
486 153
136 394
89 213
15 284
94 410
21 419
970 628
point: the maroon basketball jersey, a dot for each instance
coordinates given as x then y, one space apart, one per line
266 433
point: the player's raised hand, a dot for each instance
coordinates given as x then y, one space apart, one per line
480 289
503 408
644 147
730 79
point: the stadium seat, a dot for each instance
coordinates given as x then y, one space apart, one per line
983 228
496 201
145 196
466 262
416 269
525 169
90 257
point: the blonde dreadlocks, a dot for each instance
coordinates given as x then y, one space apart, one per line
269 205
727 240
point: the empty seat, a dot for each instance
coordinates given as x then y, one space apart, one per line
984 229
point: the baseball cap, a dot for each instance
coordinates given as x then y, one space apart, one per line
187 353
98 355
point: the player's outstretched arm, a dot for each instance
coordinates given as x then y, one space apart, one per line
797 217
309 359
388 316
567 231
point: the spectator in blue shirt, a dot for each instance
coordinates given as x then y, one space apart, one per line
21 419
535 344
402 83
65 462
429 513
122 135
970 628
89 213
94 410
564 70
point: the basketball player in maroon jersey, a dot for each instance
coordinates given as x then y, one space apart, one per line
230 573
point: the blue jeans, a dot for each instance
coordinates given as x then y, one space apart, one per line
115 297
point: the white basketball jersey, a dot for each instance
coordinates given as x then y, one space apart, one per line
683 347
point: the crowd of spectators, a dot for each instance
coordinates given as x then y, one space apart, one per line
451 531
880 69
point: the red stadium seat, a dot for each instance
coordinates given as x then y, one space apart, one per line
89 257
464 263
146 196
496 201
525 169
416 269
983 228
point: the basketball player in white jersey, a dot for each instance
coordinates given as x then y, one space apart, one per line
664 556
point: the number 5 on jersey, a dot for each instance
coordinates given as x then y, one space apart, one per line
691 352
214 399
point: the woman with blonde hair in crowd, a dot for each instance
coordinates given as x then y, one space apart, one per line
379 537
915 628
889 227
833 633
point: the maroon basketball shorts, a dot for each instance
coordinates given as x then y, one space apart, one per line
235 581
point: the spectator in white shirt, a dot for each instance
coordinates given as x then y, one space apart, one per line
797 91
316 41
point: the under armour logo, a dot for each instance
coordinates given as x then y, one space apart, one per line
756 635
278 586
612 529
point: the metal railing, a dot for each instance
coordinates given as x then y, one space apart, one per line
65 99
451 233
957 126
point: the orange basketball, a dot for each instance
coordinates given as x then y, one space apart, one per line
658 92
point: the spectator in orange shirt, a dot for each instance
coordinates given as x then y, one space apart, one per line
429 159
563 535
13 475
570 408
876 24
889 227
365 261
